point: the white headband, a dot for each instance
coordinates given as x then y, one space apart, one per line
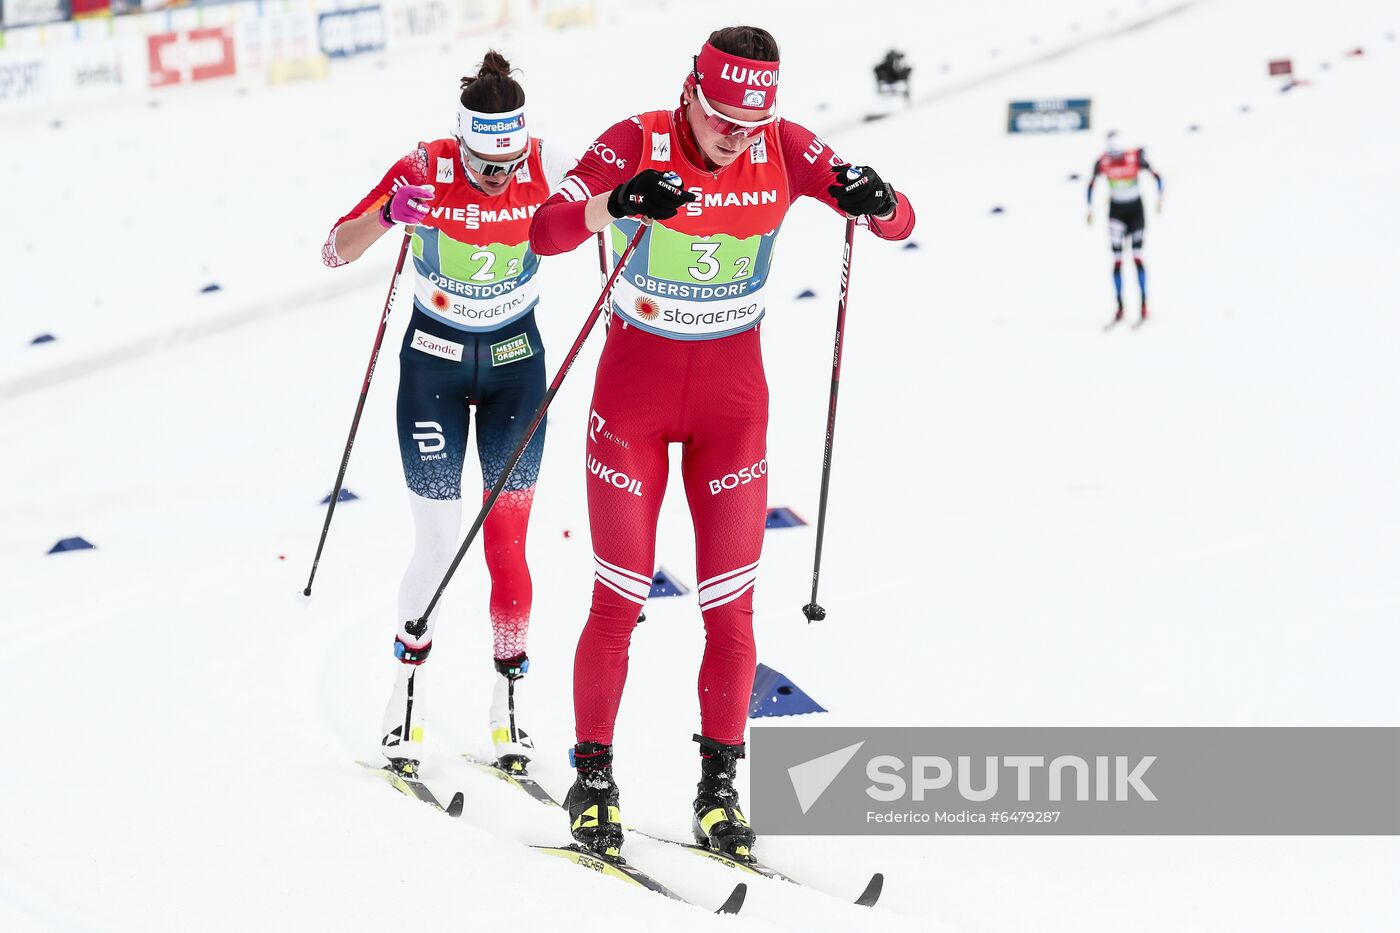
492 133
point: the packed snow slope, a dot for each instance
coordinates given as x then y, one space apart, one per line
1033 522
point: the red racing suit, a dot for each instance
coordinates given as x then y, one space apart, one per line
682 365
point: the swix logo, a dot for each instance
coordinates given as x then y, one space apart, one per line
841 300
613 478
743 477
758 77
845 271
727 199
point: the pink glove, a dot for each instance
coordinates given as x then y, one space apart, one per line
406 206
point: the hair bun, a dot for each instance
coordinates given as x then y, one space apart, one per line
492 89
494 64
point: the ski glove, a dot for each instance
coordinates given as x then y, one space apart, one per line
860 190
406 207
651 194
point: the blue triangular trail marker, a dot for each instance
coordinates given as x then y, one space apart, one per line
211 287
783 517
663 584
806 293
43 338
72 544
911 245
345 496
775 695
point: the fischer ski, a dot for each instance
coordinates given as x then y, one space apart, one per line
868 897
624 871
410 786
520 779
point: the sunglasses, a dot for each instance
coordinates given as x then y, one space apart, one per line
722 123
490 169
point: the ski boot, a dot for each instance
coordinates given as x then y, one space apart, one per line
513 744
402 742
594 817
1143 318
719 823
1118 315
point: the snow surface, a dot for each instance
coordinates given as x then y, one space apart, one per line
1033 522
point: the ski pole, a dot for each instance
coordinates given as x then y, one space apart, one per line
602 258
359 409
603 277
813 611
421 623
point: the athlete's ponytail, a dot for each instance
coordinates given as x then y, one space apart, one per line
492 89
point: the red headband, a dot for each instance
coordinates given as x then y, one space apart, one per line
738 82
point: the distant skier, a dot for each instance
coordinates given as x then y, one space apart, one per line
1126 218
472 341
682 365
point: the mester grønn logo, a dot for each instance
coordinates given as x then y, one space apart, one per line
1075 781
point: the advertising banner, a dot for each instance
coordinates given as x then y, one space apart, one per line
190 55
1048 116
345 33
22 81
31 12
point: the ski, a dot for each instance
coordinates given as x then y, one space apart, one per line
519 779
616 868
868 897
412 787
623 871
